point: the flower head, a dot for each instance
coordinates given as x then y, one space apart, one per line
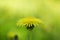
29 22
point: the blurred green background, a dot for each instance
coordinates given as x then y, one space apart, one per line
13 10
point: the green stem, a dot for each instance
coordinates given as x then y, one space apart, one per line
30 35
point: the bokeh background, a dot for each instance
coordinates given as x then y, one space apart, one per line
46 10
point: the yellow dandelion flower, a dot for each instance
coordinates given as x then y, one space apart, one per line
13 35
30 22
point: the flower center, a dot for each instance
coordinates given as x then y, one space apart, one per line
30 26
